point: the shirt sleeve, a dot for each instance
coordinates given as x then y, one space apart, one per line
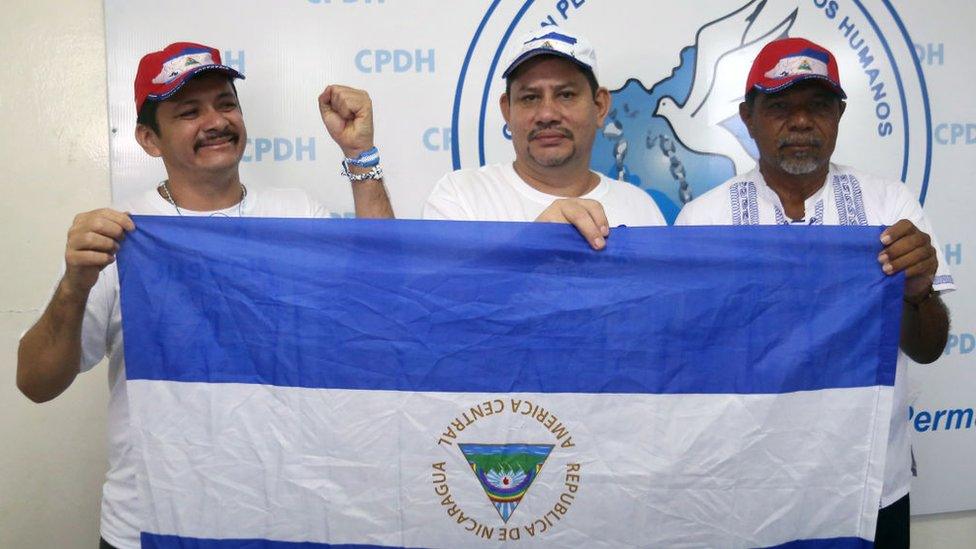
95 327
711 208
906 206
445 203
654 217
690 214
94 324
684 218
318 210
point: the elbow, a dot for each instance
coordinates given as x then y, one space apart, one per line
28 382
29 389
925 358
37 399
928 354
925 333
935 352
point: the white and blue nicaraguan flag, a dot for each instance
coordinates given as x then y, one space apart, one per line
307 383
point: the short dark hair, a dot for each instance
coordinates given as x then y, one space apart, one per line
147 114
588 73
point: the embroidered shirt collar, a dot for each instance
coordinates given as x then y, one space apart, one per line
812 206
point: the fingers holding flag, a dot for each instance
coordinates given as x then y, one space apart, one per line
909 250
586 215
93 240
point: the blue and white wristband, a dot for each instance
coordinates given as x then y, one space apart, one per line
366 159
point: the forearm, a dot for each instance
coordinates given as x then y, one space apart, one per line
924 329
50 352
348 117
371 199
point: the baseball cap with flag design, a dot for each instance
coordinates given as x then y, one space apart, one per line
552 40
162 73
787 61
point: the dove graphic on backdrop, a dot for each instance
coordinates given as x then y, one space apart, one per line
693 122
725 49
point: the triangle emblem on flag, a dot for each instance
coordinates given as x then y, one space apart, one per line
506 471
191 61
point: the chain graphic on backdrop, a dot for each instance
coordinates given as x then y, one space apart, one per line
614 132
668 149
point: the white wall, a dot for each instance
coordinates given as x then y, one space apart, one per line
53 164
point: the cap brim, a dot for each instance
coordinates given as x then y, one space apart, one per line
819 77
178 84
541 51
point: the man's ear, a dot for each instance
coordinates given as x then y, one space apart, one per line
505 106
148 140
603 101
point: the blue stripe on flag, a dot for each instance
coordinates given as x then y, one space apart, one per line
156 541
506 307
827 543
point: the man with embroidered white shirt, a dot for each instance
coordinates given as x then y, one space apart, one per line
792 109
189 116
553 106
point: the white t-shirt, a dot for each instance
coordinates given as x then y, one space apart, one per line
101 336
849 197
497 193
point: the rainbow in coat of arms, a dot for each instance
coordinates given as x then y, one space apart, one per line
506 471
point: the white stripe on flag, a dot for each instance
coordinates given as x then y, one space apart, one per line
339 466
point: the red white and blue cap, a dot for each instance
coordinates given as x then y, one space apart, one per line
787 61
552 40
163 73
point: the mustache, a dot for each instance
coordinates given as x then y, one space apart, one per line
214 136
561 131
799 141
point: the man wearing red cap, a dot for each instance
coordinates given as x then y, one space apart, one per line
189 116
792 109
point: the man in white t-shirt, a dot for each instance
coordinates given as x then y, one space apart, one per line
792 108
189 116
553 106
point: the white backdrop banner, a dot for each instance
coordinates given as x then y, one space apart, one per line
676 76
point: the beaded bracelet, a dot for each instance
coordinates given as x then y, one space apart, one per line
376 172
